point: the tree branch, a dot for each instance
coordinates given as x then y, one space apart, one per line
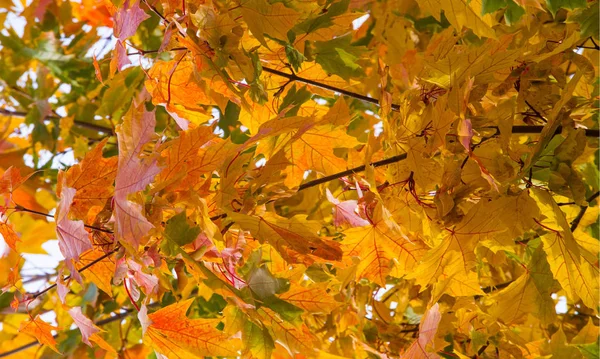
294 77
124 313
99 259
89 126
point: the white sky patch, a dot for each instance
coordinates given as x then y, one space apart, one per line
381 291
378 128
360 21
260 162
320 101
561 307
36 264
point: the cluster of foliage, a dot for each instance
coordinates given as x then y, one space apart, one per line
331 179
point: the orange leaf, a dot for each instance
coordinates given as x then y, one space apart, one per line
10 237
41 331
93 179
102 272
176 336
182 159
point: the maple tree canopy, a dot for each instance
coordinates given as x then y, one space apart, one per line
299 179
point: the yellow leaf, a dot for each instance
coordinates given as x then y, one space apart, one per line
527 295
314 298
34 232
575 272
462 13
381 249
293 238
172 334
296 339
263 18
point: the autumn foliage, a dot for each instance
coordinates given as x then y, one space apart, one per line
299 179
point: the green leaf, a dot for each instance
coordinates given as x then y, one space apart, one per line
258 340
589 351
554 5
294 57
294 99
179 231
587 20
324 20
339 57
490 6
513 13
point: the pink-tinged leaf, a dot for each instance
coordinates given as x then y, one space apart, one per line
485 173
85 325
144 319
131 224
133 174
73 239
89 332
181 122
61 287
148 282
465 133
427 330
345 212
166 39
40 10
128 19
132 271
122 58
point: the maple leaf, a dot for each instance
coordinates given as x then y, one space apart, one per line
263 18
102 272
40 330
290 236
382 251
572 266
11 180
92 178
314 299
320 177
88 330
427 330
73 239
9 235
186 158
133 174
171 333
345 212
128 18
527 295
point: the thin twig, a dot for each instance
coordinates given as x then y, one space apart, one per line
85 267
89 126
577 219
